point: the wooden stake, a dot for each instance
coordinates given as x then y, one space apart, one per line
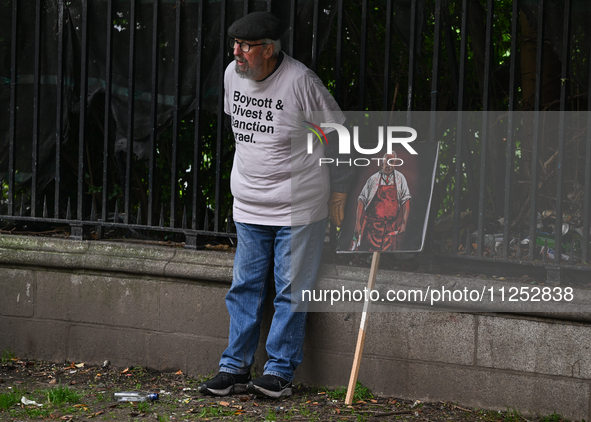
361 337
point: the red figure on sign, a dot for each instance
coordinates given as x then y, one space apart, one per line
382 209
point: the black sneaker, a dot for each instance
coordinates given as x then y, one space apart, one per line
225 383
270 386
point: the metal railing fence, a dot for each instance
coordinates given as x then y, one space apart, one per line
112 112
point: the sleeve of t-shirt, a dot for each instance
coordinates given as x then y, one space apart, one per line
366 192
316 98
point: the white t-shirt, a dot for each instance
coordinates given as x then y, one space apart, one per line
373 183
263 123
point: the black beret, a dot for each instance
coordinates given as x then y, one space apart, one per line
256 26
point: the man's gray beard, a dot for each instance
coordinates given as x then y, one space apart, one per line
248 74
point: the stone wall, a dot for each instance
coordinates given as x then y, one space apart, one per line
163 307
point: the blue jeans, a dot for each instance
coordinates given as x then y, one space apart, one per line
289 255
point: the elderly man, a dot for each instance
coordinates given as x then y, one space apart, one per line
263 88
382 209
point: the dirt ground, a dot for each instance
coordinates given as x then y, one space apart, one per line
77 392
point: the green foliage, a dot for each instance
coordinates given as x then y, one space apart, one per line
192 157
62 394
37 412
215 412
120 22
143 407
4 189
7 356
9 399
103 396
513 415
361 393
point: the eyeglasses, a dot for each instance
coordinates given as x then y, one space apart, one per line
245 47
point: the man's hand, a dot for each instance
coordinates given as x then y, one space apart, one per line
336 207
401 228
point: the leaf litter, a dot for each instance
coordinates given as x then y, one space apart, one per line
93 388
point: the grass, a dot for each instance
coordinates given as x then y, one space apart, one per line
37 412
271 416
215 412
361 393
62 394
513 415
56 397
7 356
305 410
103 396
143 407
7 400
10 398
